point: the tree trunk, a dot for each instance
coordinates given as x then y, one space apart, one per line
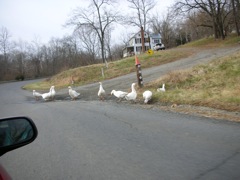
142 37
236 16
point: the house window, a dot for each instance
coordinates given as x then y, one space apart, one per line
156 41
139 49
146 39
138 41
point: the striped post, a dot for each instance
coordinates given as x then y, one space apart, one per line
139 72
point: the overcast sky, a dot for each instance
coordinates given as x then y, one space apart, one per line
30 19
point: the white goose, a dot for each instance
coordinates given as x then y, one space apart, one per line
101 92
74 94
37 95
49 95
119 94
147 96
52 92
162 88
46 96
133 94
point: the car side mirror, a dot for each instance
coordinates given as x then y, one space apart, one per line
16 132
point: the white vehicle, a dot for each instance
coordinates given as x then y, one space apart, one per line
158 46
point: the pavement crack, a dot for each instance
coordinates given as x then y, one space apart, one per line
224 161
117 119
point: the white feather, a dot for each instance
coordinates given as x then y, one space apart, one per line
147 96
119 94
46 96
101 91
162 88
36 94
133 94
74 94
49 95
52 91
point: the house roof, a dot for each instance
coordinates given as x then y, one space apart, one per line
153 35
157 36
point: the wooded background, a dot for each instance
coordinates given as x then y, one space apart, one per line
91 42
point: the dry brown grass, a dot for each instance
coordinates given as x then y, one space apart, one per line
213 85
93 73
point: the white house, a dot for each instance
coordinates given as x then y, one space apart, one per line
134 45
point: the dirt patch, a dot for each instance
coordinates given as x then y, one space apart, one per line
199 111
189 109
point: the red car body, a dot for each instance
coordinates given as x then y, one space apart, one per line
4 174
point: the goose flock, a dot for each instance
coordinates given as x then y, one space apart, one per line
120 95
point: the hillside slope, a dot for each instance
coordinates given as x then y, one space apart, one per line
89 91
168 67
150 74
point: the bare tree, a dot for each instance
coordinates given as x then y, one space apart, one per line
164 25
125 36
98 17
4 41
140 19
55 51
236 14
217 10
117 51
199 25
36 56
89 42
4 49
108 48
70 46
143 7
20 57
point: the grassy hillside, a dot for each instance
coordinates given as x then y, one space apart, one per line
214 85
213 43
93 73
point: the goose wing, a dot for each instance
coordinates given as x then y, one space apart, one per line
46 96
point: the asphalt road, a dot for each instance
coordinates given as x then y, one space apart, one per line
93 140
